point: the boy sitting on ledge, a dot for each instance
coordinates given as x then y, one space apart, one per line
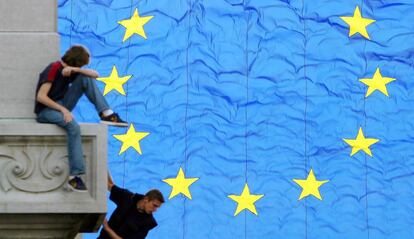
59 88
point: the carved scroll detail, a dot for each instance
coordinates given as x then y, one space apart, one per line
32 169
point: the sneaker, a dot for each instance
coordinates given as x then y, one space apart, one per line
113 119
76 184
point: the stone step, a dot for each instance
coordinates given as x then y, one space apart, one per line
28 15
23 57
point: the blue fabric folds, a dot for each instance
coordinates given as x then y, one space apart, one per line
261 92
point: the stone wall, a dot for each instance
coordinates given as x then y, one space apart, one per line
34 200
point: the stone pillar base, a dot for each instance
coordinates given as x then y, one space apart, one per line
35 201
47 226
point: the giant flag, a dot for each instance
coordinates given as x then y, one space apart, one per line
258 119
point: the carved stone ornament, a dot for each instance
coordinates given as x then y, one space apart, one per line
32 169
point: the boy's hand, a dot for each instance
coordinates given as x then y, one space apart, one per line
105 224
67 71
67 116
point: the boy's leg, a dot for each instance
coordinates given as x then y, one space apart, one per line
75 152
85 85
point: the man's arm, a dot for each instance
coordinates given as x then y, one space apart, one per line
110 182
43 98
68 70
109 230
119 196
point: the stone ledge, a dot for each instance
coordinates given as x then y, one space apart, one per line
29 127
33 169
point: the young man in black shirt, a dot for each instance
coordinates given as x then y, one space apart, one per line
132 218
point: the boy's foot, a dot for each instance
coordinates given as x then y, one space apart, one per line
113 119
76 184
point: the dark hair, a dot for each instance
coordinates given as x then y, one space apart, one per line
155 194
76 56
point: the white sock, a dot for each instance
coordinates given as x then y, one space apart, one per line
107 112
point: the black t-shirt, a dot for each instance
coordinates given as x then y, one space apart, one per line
126 220
60 84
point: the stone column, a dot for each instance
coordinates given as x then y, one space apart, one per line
34 200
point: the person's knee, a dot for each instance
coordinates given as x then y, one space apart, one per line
84 80
73 128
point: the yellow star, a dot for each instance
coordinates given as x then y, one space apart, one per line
135 25
114 82
377 82
310 186
361 143
131 139
246 200
357 24
180 184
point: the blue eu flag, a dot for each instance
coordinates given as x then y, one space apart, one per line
257 119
